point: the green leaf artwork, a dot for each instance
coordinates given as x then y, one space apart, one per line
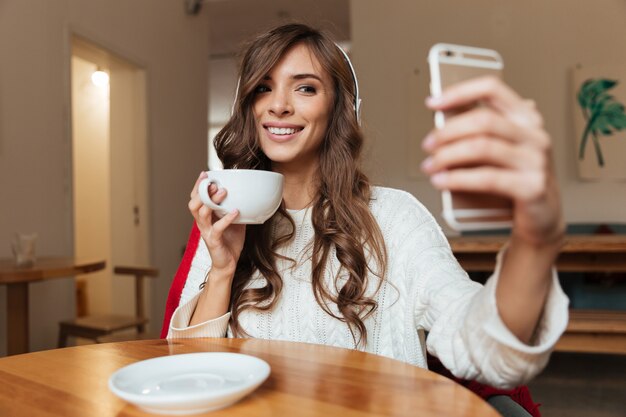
603 113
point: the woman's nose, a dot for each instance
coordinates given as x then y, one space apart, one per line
281 103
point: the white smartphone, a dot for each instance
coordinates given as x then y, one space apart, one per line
450 64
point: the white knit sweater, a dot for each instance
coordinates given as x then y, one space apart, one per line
425 288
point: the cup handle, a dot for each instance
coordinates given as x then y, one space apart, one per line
203 190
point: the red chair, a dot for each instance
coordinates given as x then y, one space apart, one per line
176 289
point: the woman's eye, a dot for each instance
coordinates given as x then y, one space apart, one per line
307 89
261 89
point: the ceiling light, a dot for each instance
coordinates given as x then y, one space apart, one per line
100 78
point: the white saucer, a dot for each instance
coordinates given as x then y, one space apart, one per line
189 383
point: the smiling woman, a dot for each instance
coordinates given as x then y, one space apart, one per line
296 98
352 265
292 109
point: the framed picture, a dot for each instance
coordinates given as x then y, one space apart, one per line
600 122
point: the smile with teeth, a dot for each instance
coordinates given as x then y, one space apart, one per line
283 130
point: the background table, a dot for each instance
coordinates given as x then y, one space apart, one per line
17 279
592 331
306 380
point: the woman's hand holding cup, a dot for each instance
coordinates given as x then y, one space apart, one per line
223 239
224 201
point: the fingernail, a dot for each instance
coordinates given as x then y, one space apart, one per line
439 179
434 101
429 142
203 174
427 164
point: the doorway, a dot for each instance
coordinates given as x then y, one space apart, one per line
109 161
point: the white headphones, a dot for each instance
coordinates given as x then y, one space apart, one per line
357 99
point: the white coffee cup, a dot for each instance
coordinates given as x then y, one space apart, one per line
256 194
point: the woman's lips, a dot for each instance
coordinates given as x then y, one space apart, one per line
282 133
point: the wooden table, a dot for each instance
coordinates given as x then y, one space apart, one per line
592 331
306 380
17 279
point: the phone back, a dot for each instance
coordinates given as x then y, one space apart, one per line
451 64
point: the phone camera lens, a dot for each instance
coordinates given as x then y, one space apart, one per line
449 53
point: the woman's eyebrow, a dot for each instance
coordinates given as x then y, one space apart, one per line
303 76
297 77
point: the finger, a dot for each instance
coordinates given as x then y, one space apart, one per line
194 205
194 190
489 89
492 180
201 212
219 195
204 216
222 224
482 150
527 112
480 121
212 189
493 92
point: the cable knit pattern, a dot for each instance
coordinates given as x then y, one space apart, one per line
424 288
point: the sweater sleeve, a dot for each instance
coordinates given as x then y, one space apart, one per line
519 361
465 330
179 324
180 328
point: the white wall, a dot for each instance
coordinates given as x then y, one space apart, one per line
35 160
541 41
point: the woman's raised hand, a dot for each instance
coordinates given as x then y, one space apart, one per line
223 239
499 147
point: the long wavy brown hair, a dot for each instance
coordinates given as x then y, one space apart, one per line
340 213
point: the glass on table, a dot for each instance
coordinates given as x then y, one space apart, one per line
23 246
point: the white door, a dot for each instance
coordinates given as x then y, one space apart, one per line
110 173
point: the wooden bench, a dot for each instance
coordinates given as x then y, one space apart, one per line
597 331
591 331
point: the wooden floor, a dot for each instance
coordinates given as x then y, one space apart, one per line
582 385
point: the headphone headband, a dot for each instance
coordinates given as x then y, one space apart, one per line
357 99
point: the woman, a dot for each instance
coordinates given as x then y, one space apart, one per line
348 264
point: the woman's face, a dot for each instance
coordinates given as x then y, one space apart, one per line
291 107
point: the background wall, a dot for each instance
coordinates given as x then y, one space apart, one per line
541 42
35 146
